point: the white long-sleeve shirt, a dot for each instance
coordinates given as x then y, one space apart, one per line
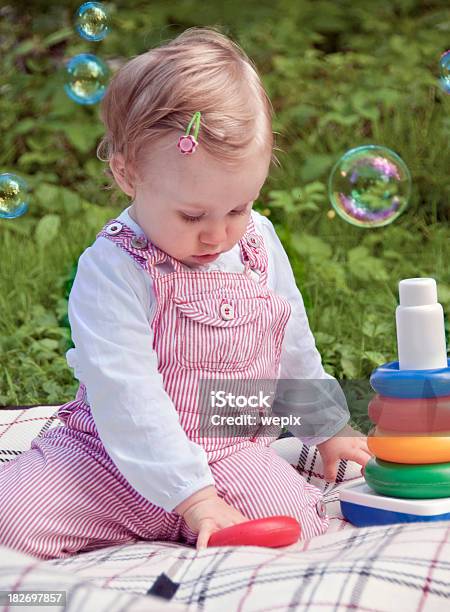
111 307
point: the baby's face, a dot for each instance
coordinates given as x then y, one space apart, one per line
191 205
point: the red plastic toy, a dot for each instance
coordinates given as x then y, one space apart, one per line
273 531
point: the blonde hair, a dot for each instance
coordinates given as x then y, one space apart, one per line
155 95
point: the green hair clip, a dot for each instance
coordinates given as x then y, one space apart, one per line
188 143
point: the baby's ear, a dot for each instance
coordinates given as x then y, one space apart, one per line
121 173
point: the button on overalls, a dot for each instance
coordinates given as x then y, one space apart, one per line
208 325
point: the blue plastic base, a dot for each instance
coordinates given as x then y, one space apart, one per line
362 516
390 381
362 507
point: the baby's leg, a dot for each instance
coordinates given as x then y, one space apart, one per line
260 483
64 495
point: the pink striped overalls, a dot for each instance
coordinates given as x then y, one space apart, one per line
65 495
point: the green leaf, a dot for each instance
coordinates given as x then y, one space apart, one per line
49 344
332 275
313 246
389 97
24 47
57 37
36 66
82 137
41 317
443 293
316 187
279 198
350 367
374 357
323 338
47 229
345 120
364 266
22 226
47 194
38 157
97 216
309 206
94 168
25 125
300 114
315 166
71 201
349 360
373 327
389 254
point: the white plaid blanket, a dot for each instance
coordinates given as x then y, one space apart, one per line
386 568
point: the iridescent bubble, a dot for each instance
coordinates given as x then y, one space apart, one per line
13 196
91 21
369 186
444 65
86 78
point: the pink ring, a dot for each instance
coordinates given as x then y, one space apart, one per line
419 415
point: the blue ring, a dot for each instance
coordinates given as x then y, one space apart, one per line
388 380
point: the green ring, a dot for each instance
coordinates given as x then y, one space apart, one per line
413 481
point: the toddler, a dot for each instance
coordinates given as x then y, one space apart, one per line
187 284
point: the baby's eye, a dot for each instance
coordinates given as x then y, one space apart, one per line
190 219
195 219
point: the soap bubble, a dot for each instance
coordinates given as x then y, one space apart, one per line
444 64
91 21
13 196
369 186
86 78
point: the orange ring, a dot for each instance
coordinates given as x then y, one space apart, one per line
422 415
409 448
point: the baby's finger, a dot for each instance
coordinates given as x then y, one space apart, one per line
238 521
370 452
330 470
239 517
359 455
203 538
203 535
363 446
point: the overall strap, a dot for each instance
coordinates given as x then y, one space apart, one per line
254 252
144 252
149 256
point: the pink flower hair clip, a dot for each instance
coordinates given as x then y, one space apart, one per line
187 144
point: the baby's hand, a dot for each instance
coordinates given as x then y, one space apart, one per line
346 444
205 512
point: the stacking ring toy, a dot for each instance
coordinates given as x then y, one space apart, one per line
411 481
273 531
389 380
409 448
422 415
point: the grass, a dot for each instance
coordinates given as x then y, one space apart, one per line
345 75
